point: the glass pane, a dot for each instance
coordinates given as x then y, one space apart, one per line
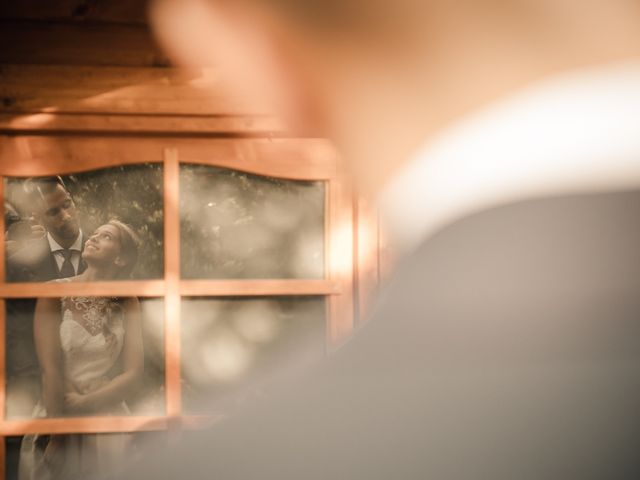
78 456
237 225
46 215
233 347
12 458
90 341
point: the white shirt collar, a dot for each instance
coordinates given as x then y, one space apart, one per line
577 132
55 246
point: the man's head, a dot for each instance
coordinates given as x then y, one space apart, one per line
54 209
380 77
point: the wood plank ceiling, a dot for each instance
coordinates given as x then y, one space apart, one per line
98 57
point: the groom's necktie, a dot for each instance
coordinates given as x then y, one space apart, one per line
67 270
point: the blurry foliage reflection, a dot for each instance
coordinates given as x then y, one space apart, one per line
238 225
132 194
149 397
232 346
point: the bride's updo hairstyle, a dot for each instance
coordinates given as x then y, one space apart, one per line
129 243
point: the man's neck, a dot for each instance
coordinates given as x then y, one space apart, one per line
65 242
403 100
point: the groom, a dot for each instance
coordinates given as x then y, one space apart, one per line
503 138
56 253
52 251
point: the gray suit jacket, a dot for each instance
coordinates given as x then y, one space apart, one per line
507 347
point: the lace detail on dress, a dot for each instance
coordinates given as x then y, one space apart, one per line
95 312
92 337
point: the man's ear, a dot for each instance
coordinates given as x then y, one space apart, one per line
254 47
119 262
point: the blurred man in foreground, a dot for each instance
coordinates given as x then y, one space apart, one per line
502 140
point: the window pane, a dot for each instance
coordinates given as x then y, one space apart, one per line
232 347
80 456
68 209
237 225
86 337
12 445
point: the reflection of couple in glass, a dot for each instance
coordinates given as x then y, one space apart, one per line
46 242
89 349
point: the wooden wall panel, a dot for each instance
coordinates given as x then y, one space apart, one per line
117 11
78 44
142 125
367 275
340 261
121 90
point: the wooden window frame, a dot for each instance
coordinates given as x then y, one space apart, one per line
29 148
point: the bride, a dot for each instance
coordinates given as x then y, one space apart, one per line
91 355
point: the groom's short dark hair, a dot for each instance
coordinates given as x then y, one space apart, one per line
37 187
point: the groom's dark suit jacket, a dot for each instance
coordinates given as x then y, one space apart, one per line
33 263
507 347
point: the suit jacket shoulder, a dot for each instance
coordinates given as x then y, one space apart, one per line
34 262
506 347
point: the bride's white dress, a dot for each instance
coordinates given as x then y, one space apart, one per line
91 336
